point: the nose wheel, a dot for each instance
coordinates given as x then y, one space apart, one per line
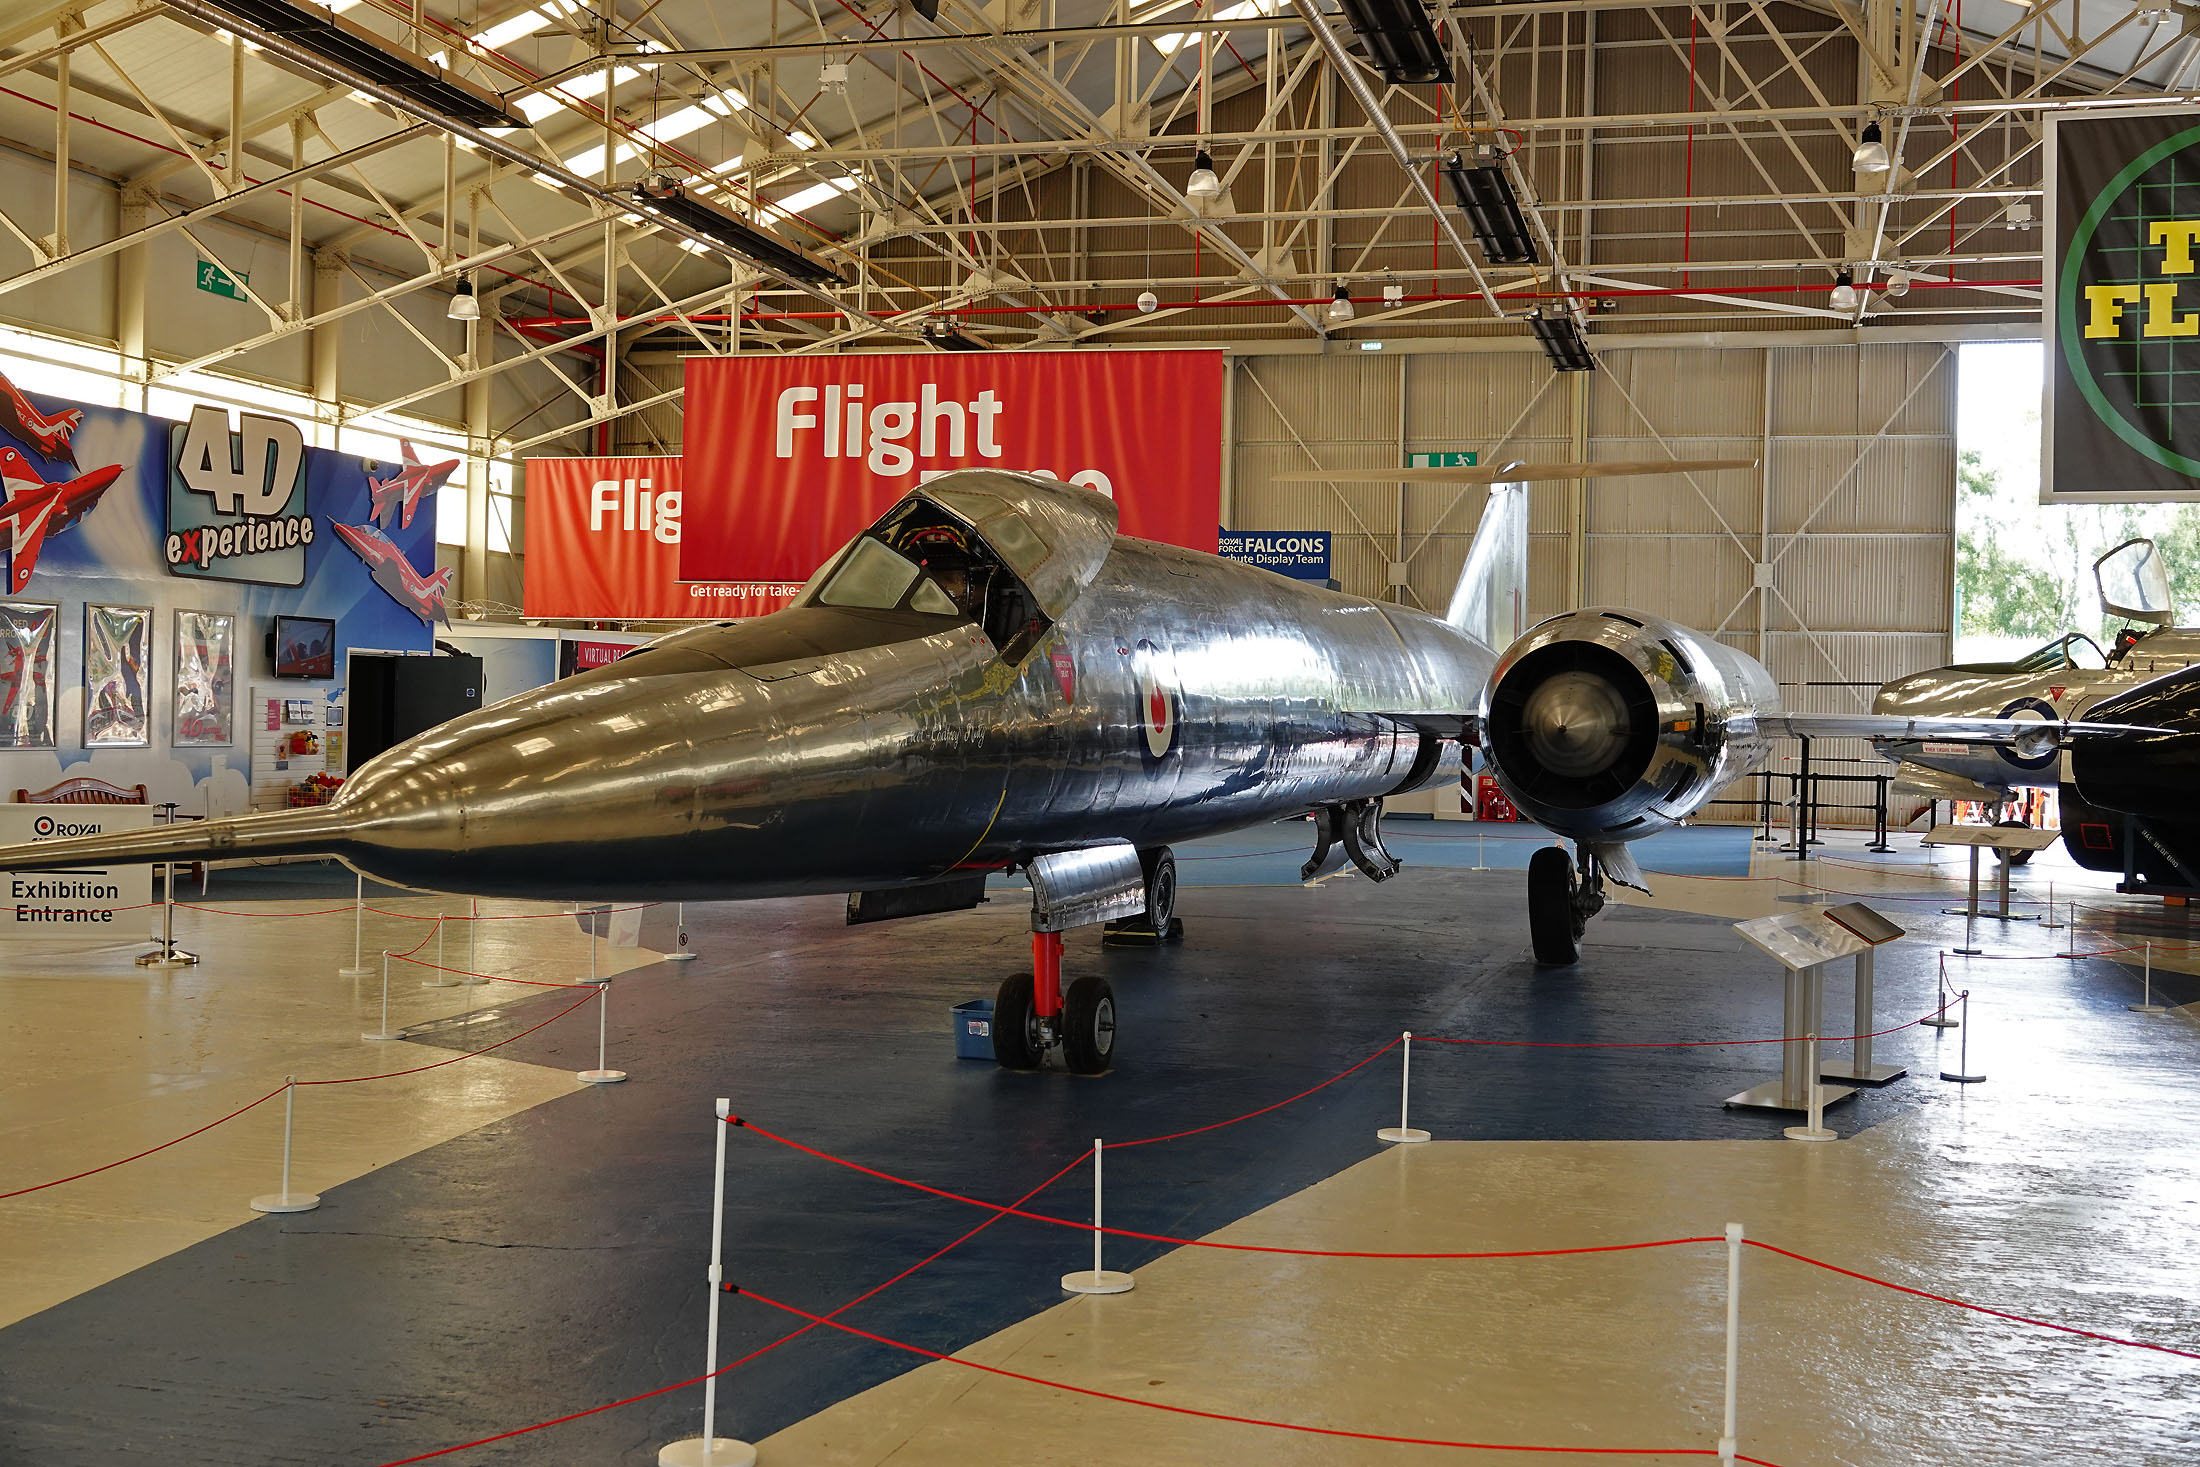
1032 1014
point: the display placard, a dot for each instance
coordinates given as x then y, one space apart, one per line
206 680
80 908
2121 308
29 645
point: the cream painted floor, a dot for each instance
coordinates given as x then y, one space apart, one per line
2065 1189
122 1058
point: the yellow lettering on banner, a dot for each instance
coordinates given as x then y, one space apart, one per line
2177 237
2162 317
2107 303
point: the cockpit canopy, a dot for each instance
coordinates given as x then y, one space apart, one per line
2135 583
1007 551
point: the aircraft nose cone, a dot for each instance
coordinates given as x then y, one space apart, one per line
1575 724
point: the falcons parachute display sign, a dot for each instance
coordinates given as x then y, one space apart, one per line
790 457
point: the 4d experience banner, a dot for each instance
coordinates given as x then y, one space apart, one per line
790 457
603 542
2121 305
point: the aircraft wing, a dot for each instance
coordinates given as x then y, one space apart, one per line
1441 725
1898 728
30 535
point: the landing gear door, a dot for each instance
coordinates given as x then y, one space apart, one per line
2134 583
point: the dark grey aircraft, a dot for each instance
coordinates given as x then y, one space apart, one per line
991 678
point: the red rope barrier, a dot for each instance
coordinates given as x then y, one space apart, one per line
595 992
148 1151
1974 1308
487 977
753 1354
1331 1431
1011 1210
1278 1105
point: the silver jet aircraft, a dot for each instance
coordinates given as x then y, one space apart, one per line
991 678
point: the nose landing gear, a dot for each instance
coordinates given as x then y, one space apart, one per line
1559 905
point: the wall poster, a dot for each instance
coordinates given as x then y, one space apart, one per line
29 642
206 679
118 655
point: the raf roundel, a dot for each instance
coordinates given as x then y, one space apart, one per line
1156 702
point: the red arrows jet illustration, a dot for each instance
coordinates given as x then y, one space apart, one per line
404 488
394 573
35 509
49 433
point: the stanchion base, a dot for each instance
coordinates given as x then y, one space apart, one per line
353 972
680 957
173 958
439 983
1872 1075
1767 1097
1942 1023
1968 952
1401 1133
1961 912
381 1036
475 981
604 1077
2146 1008
2053 927
1810 1133
1106 1281
2066 955
287 1202
1953 1078
724 1452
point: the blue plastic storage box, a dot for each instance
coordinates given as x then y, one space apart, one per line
974 1029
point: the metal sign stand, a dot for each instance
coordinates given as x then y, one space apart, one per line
1802 943
2003 839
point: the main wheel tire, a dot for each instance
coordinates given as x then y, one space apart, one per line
1159 864
2016 858
1551 925
1017 1043
1088 1026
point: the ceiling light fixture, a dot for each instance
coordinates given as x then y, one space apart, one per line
1844 295
464 305
1400 41
667 197
941 332
1562 341
1340 303
1485 195
1393 294
1898 283
349 44
1871 150
1204 183
1148 302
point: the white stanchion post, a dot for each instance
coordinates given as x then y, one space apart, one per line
1478 852
441 977
287 1200
601 1075
2147 1005
1099 1280
711 1449
385 1031
682 953
2050 924
358 968
1815 1129
472 978
1939 1019
1961 1074
169 956
1403 1132
1728 1439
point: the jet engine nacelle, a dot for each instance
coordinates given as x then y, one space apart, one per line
1606 724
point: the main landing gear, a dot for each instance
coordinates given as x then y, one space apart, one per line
1560 904
1352 830
1032 1014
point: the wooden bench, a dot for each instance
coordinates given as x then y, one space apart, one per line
84 790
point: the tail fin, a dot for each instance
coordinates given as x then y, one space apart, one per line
1491 601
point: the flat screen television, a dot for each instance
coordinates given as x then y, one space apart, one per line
303 646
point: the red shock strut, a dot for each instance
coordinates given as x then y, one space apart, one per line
1046 974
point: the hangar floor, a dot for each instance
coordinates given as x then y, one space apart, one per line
499 1246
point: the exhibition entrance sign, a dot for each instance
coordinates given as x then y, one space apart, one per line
84 908
790 457
603 542
2121 304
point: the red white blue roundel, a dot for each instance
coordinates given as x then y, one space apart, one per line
2024 710
1157 701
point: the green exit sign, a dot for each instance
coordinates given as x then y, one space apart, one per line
1441 460
214 280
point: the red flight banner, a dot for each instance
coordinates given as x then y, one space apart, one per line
790 457
603 541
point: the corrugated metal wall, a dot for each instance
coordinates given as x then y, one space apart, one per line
1852 506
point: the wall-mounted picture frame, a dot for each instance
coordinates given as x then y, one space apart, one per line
205 702
30 637
118 667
